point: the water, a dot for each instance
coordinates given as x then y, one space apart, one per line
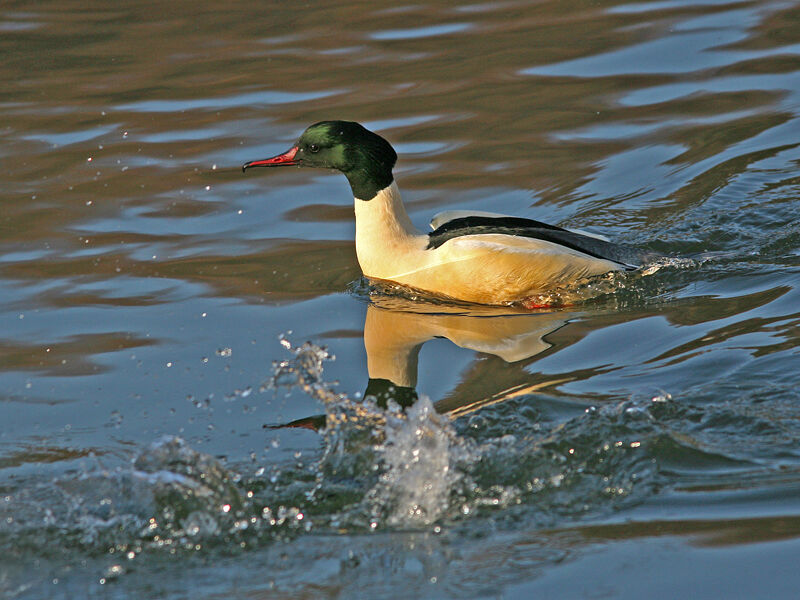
167 431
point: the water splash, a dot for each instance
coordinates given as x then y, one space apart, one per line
171 497
304 371
416 468
424 464
379 468
194 494
408 461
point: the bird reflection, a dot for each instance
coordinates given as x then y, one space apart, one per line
395 331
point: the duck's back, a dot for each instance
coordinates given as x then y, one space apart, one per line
479 224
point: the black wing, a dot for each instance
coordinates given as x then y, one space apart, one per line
627 256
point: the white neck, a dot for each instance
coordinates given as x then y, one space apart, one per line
385 237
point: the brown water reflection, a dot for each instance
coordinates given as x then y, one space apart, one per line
69 358
499 131
286 271
707 533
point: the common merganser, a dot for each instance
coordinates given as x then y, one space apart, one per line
478 257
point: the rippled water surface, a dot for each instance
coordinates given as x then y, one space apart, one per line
194 378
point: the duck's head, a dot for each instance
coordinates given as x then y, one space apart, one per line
365 158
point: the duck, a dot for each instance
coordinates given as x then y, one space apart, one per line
476 257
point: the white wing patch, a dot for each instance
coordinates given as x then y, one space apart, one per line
596 236
446 216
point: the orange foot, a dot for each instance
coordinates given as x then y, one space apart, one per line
534 303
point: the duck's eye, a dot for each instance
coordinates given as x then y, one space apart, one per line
313 148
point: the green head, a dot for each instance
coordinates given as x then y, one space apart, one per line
365 158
